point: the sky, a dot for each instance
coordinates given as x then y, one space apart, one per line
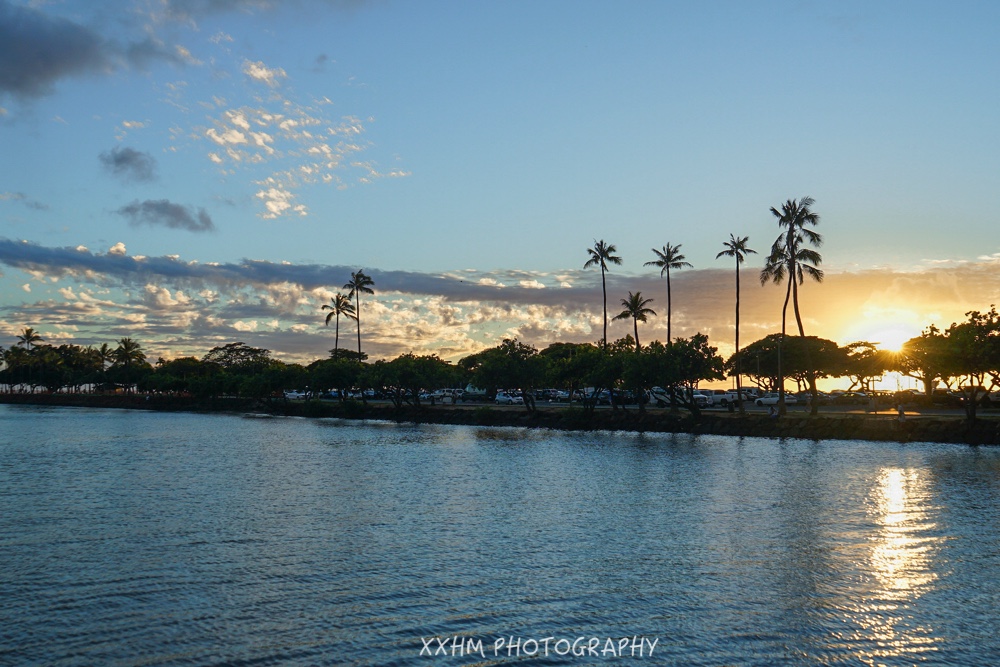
191 173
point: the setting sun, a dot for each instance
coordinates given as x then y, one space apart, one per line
884 335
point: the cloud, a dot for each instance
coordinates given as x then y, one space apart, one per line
38 49
260 72
24 199
167 214
129 164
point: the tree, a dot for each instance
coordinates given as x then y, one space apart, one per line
340 305
737 247
865 363
358 284
635 307
601 255
509 365
668 258
973 354
924 358
127 356
29 338
239 358
790 260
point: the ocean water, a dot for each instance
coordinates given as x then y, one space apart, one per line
140 538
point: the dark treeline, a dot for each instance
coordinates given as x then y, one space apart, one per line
964 357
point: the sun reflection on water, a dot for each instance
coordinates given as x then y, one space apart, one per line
900 566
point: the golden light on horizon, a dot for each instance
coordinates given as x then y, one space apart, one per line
886 328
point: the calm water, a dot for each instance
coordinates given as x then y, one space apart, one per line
131 538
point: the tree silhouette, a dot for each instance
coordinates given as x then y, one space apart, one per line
790 260
668 258
737 247
359 283
601 255
340 305
635 307
29 338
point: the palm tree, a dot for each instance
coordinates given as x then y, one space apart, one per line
737 247
601 255
29 337
359 283
127 354
669 258
790 260
341 305
635 307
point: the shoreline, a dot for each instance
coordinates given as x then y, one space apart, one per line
986 431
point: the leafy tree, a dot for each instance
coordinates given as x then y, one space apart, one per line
337 373
358 284
865 364
601 255
973 350
510 365
924 358
668 258
239 358
737 247
635 307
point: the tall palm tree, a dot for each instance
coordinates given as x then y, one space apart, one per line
601 255
668 258
635 307
359 283
737 247
789 257
340 305
790 260
29 337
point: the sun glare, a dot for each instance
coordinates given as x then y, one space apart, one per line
891 338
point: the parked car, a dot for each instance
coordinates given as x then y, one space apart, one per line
295 395
772 399
507 398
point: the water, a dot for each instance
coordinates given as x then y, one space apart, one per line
132 538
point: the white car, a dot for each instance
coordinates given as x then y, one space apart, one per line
505 398
772 399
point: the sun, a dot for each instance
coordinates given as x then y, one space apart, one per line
890 337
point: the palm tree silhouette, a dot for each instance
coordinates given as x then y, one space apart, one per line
340 305
29 337
359 283
601 255
669 258
127 354
635 307
790 260
789 256
737 247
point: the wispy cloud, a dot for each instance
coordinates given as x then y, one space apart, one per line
129 164
24 199
164 213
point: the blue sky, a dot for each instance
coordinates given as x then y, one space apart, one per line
466 155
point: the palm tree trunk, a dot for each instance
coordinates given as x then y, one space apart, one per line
357 308
739 386
668 307
635 327
782 409
604 290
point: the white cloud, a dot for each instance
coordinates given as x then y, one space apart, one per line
260 72
117 249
